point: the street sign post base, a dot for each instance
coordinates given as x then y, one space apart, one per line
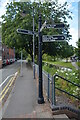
41 100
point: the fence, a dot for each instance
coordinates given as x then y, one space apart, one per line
49 86
46 82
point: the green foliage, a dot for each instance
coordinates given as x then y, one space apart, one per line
0 31
66 50
78 50
47 57
24 54
28 58
20 15
61 64
62 51
69 74
78 63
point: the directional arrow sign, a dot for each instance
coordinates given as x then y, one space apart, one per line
44 24
23 31
55 26
51 38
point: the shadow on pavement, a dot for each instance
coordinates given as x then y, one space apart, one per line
28 65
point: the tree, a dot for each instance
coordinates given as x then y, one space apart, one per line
77 49
0 31
66 51
20 15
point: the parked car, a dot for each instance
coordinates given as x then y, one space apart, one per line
7 62
15 59
11 61
3 62
0 63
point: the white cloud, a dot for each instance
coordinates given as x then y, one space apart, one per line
61 1
73 30
2 11
69 1
79 33
74 34
3 7
5 3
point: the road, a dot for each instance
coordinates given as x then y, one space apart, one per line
9 70
6 80
23 96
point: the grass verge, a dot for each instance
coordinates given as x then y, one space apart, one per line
62 64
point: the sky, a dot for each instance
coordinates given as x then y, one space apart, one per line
79 20
73 7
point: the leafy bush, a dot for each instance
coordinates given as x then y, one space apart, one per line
28 58
47 57
69 74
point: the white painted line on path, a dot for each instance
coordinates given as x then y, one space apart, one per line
6 79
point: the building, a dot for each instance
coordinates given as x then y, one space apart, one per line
8 55
0 53
11 53
5 52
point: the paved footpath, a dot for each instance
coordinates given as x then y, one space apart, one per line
23 100
75 65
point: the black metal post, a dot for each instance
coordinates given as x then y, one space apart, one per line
33 48
48 93
40 97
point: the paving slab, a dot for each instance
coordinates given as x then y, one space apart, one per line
63 116
24 95
23 99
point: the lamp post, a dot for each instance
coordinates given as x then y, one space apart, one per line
33 47
14 52
21 65
23 15
40 97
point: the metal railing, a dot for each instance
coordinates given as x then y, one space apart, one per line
54 87
50 88
49 85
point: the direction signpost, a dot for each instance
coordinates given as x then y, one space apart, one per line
23 31
56 26
44 38
43 26
40 95
28 32
52 38
33 48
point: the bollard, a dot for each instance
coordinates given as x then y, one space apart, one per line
43 80
37 70
33 71
53 90
21 73
48 88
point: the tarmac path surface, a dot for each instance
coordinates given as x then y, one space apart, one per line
23 96
9 69
75 65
